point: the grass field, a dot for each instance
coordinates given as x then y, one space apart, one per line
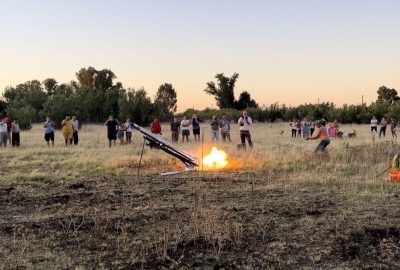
277 206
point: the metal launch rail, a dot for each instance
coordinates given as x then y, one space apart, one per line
189 160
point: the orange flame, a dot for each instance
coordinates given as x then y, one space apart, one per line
216 159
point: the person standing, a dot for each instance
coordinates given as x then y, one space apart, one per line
374 124
75 123
335 127
298 128
128 130
196 128
111 130
15 130
293 126
244 122
155 127
3 132
322 134
214 123
312 127
121 133
393 125
382 131
175 130
9 124
49 131
68 130
323 121
185 123
225 129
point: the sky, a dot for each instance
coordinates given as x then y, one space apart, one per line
287 52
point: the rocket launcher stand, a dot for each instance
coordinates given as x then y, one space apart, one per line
190 161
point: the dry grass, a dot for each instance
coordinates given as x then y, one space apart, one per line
277 206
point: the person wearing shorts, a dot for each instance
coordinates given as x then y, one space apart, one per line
111 130
374 125
68 130
48 126
121 133
196 128
128 130
185 123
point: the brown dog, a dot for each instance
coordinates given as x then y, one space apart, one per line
353 135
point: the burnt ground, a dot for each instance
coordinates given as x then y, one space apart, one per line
227 220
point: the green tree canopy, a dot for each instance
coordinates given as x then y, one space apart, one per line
245 101
97 80
387 94
223 91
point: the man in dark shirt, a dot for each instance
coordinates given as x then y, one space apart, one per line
175 129
111 130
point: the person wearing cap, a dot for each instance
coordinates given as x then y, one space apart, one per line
321 133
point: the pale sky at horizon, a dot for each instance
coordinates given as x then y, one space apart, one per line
291 52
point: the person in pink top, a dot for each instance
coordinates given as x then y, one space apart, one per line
321 133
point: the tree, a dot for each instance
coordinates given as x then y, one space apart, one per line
86 77
224 92
245 101
387 94
49 85
25 114
165 102
136 105
98 81
29 94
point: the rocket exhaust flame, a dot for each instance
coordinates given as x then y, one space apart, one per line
217 159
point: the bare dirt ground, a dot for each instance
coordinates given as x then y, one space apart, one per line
277 207
225 220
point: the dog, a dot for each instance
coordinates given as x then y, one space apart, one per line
281 132
241 147
353 134
347 135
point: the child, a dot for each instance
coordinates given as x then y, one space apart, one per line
120 133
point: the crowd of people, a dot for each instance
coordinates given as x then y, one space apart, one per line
10 130
218 127
184 128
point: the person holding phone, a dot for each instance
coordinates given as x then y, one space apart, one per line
48 126
244 122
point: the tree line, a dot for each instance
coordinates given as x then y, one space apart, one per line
95 95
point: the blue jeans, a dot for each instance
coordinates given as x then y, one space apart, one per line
321 146
3 139
214 134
